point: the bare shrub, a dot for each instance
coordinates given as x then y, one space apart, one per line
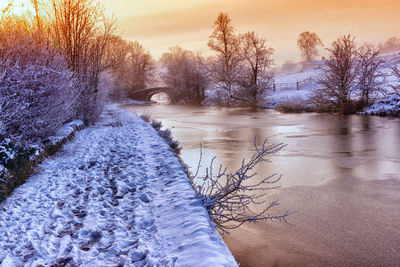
233 199
294 105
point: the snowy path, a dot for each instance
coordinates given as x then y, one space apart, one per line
115 196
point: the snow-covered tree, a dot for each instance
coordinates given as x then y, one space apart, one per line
226 66
339 76
132 66
391 45
255 79
185 72
369 78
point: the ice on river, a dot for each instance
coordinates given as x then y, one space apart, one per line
115 196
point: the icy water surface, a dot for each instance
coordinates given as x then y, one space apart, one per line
341 174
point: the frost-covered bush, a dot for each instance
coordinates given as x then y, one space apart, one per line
37 91
185 72
389 106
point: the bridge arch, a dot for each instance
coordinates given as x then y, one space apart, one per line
151 94
147 93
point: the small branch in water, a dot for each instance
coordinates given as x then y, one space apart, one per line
231 198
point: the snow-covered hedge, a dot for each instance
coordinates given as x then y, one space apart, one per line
17 161
389 106
65 133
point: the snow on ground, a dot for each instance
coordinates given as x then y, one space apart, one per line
286 89
297 76
389 105
115 196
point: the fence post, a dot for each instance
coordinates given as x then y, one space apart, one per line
297 85
274 87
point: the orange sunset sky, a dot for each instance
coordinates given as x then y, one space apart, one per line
160 24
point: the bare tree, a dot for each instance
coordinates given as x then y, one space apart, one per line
233 199
308 43
257 56
339 77
226 67
131 64
396 73
118 74
81 30
140 65
370 79
186 74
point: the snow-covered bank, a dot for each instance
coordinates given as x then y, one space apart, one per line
18 161
388 106
116 195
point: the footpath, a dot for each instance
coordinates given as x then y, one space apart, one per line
114 196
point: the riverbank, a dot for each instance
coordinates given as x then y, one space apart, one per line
115 195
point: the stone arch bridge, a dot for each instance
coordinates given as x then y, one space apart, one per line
146 94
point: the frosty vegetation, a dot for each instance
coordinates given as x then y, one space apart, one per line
186 73
50 67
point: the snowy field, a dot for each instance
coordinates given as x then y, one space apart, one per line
286 90
115 196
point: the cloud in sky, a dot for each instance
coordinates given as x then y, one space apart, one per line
160 24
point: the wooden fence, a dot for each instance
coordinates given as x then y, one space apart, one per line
292 85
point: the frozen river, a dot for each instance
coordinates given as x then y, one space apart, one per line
340 173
